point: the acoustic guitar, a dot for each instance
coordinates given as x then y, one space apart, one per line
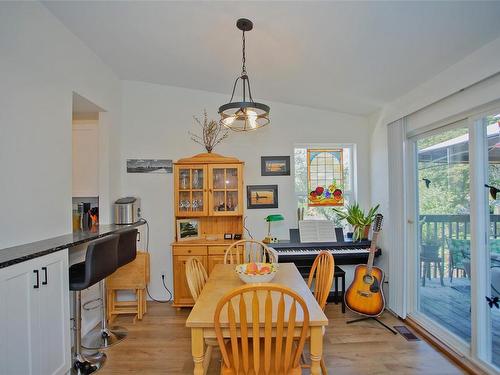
364 295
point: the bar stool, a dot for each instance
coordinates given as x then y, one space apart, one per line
100 262
106 336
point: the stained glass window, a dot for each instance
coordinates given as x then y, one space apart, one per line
325 177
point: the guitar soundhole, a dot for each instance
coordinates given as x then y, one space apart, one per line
368 279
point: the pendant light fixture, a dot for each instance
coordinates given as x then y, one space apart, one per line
246 115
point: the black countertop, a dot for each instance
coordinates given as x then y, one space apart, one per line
22 253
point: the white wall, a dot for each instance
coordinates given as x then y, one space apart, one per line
156 120
41 64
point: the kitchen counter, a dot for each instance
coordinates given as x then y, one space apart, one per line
22 253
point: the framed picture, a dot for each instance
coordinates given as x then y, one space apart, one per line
275 165
149 166
188 229
262 196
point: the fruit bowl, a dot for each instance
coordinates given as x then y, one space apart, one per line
256 272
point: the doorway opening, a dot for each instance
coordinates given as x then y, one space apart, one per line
85 155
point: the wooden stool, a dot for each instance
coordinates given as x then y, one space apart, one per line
133 276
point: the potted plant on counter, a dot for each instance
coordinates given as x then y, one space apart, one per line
358 219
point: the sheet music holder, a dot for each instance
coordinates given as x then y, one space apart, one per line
317 231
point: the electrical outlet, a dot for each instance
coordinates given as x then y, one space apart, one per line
164 275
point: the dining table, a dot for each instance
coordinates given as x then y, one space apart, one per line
222 280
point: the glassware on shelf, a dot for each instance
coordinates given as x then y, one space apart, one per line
196 179
232 201
184 204
184 179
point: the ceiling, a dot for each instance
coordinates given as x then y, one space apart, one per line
346 56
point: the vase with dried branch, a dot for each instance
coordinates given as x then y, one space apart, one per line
212 133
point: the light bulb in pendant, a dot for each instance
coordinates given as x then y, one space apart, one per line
252 118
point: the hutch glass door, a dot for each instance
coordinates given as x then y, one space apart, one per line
191 199
225 182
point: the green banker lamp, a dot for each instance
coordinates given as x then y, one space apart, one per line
270 219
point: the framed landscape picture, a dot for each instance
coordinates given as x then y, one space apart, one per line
262 196
188 229
149 166
275 165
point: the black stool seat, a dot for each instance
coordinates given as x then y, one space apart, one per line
100 262
127 247
106 337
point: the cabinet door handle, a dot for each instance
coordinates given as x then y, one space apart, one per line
138 236
44 269
37 285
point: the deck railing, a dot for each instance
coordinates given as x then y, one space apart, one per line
438 228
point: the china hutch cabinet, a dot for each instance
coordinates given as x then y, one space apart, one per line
208 188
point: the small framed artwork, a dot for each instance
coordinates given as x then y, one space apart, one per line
188 229
262 196
275 165
149 166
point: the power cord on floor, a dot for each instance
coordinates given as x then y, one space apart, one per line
162 276
245 227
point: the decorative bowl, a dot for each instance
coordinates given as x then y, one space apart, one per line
256 272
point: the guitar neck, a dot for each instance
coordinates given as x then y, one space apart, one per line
373 249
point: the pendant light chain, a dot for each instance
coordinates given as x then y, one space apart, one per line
246 115
243 68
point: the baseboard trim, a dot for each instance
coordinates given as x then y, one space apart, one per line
451 354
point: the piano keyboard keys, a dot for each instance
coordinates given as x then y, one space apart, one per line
313 251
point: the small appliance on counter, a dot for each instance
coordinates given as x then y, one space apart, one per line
127 210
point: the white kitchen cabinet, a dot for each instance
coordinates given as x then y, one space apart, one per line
34 317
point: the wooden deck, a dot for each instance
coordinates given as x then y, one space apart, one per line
450 307
160 344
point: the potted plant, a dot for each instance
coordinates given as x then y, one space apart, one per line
358 219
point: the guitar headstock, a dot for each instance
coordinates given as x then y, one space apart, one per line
377 223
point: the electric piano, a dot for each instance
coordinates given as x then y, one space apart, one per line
303 254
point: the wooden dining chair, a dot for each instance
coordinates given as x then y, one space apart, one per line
252 348
321 273
245 251
196 277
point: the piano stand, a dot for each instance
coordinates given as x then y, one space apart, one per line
374 318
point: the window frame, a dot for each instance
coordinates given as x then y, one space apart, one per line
349 195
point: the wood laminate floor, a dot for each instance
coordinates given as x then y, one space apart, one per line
160 344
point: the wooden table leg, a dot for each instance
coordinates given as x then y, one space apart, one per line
316 349
197 350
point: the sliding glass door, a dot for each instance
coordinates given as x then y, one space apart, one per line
491 140
442 246
455 236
